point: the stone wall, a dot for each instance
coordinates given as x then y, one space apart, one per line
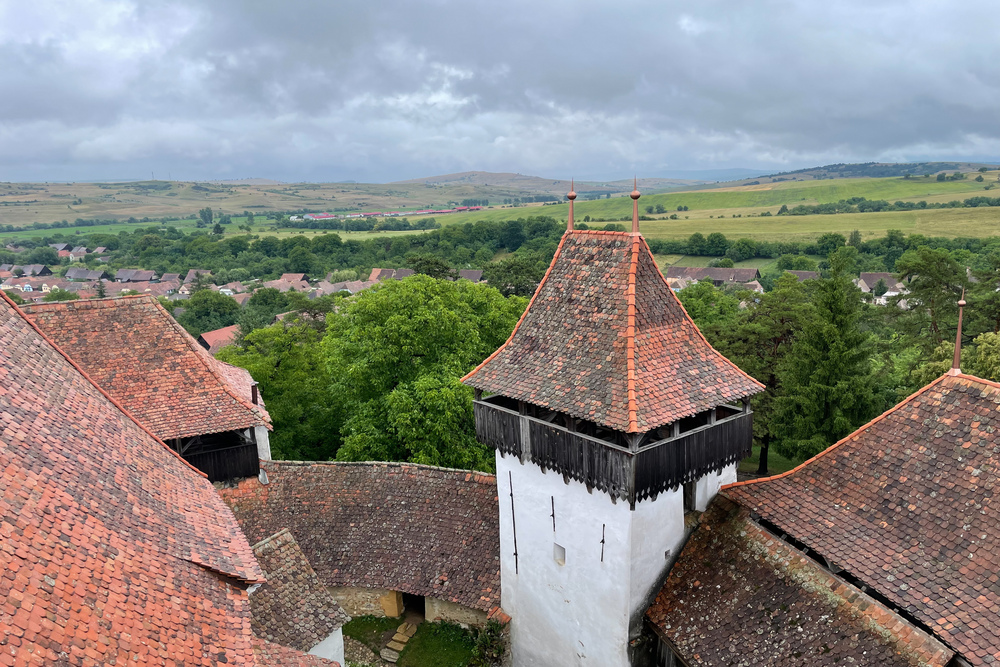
368 601
442 610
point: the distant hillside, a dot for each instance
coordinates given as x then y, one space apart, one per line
540 185
879 169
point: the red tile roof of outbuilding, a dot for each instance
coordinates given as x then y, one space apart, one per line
135 351
739 595
907 505
112 548
605 339
350 520
219 338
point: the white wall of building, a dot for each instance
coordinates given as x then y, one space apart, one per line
583 612
263 443
710 484
331 648
657 535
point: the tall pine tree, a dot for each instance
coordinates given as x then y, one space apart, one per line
829 385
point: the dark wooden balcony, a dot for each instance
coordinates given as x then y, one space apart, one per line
627 467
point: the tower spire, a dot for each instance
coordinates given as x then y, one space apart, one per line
956 363
635 194
571 195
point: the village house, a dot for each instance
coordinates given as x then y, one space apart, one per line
719 276
114 550
134 275
209 412
27 269
76 273
213 341
804 275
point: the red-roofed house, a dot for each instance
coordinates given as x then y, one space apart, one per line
113 549
207 411
213 341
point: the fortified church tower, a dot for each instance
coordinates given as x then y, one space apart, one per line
611 416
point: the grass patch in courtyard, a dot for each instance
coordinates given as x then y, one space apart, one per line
438 645
776 463
371 630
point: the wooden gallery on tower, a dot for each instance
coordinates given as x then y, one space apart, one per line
611 416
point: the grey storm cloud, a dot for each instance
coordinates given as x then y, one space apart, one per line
389 89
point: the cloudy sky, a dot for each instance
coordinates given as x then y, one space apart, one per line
380 90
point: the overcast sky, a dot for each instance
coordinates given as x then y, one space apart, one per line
381 90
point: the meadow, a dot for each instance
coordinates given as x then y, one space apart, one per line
733 211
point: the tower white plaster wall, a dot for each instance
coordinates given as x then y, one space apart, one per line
657 536
331 648
709 485
579 612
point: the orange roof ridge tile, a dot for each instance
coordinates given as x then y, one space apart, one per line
97 386
846 438
633 410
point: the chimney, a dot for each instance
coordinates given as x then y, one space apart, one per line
253 393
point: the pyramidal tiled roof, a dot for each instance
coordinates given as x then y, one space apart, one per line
113 550
907 504
136 352
605 339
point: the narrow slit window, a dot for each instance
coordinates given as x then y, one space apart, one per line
559 554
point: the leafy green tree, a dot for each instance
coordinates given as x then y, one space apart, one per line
101 290
880 288
59 294
218 230
828 243
696 244
207 310
288 363
783 210
854 239
716 244
260 310
985 360
709 306
790 262
517 275
434 267
829 383
206 216
395 354
14 296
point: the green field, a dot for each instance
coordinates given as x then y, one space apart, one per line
733 211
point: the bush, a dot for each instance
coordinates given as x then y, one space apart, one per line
491 644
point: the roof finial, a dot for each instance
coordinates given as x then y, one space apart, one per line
956 363
635 204
571 195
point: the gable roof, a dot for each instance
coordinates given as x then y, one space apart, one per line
114 548
737 590
136 352
804 275
905 505
269 654
605 339
293 608
215 340
718 274
401 526
193 274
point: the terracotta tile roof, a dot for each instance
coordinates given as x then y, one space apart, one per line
213 341
738 595
269 654
401 526
905 504
193 274
283 285
804 275
137 353
605 339
112 548
293 608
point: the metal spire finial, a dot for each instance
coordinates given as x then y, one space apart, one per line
635 194
571 195
956 363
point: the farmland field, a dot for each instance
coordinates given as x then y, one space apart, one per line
733 211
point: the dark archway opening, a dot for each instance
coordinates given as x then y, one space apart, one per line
414 604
